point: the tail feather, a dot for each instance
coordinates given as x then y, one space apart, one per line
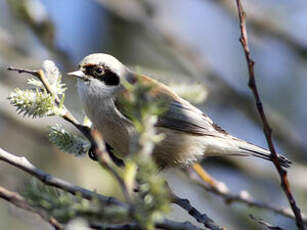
264 154
232 146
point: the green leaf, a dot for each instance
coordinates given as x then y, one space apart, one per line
33 103
67 141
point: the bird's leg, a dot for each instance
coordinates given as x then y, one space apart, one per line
119 162
91 153
201 172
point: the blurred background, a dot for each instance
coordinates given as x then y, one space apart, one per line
175 41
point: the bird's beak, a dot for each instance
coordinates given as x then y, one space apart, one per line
78 74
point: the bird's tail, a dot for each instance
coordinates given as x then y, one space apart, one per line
253 150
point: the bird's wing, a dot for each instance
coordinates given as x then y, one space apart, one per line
187 118
180 114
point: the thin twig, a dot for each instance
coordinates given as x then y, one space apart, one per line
67 116
245 198
86 131
20 202
186 205
267 225
267 130
265 25
41 76
23 164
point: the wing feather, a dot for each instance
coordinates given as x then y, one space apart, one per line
180 115
187 118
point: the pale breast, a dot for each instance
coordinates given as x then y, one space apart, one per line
115 128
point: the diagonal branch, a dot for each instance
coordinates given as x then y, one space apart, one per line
220 189
67 116
86 131
199 217
267 225
266 127
266 26
20 202
23 164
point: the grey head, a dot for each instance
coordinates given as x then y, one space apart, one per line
101 75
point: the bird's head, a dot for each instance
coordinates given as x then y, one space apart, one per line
101 73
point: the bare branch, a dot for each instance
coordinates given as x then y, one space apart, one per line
20 202
23 164
220 189
267 130
201 218
267 225
264 25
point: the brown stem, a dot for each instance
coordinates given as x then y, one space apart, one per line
223 191
104 160
86 131
41 76
267 129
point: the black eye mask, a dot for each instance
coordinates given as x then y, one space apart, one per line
110 78
102 74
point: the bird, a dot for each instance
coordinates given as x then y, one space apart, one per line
189 134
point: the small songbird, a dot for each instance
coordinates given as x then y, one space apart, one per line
190 135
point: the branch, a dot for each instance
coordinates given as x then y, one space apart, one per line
222 190
267 225
23 164
20 202
267 130
86 131
201 218
67 116
265 25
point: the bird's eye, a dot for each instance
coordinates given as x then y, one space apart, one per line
99 70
